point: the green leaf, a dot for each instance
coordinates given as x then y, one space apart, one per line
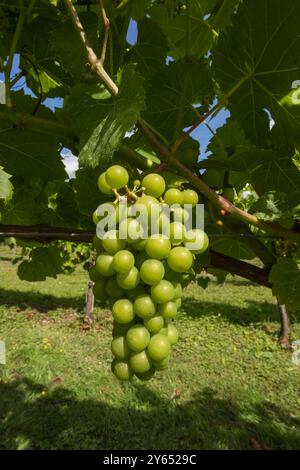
174 91
285 277
259 57
266 170
229 140
88 103
88 196
138 8
107 136
175 26
21 209
6 188
26 153
67 45
151 49
43 262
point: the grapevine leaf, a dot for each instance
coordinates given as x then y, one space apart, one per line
107 136
229 140
67 46
88 196
174 26
285 277
172 93
43 262
6 187
259 57
26 153
87 103
151 49
21 209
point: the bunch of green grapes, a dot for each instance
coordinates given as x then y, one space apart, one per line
142 276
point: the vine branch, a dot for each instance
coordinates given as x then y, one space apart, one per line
12 51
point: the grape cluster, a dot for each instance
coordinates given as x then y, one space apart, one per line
142 276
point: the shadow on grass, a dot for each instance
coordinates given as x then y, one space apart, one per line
62 421
41 302
255 312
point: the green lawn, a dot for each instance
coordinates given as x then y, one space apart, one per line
229 381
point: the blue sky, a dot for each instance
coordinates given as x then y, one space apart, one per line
202 134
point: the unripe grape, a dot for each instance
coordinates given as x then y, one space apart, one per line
173 196
122 370
103 185
137 338
123 311
152 271
154 184
116 176
159 347
180 259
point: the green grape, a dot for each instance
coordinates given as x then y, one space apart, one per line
158 247
112 243
99 290
94 274
140 245
154 324
144 306
152 271
180 259
123 311
159 347
196 241
130 279
164 223
172 334
180 215
168 310
177 233
104 265
137 338
123 261
146 204
113 289
162 292
190 197
154 184
140 258
119 348
116 176
140 362
144 376
162 364
178 289
134 293
97 244
173 196
104 187
229 193
121 369
178 303
131 230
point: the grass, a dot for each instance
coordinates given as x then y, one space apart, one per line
230 386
